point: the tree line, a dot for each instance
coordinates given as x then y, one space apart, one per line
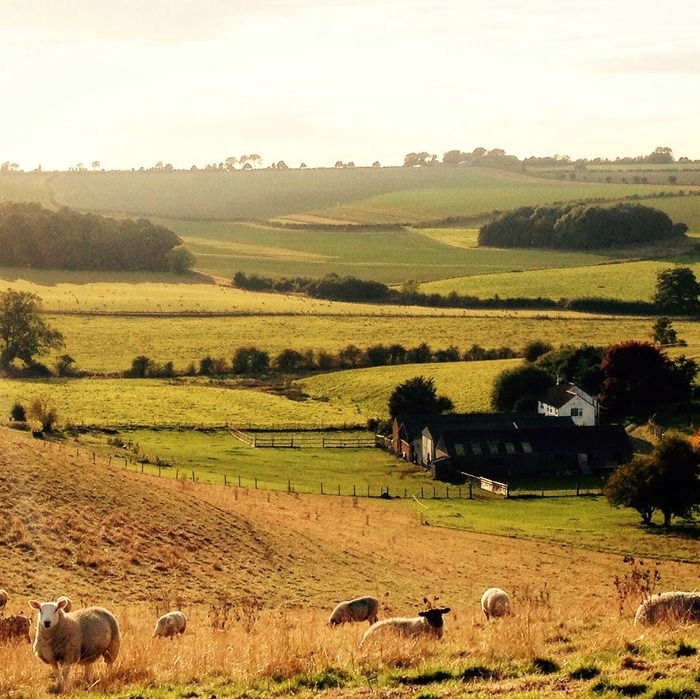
677 292
33 236
253 361
580 227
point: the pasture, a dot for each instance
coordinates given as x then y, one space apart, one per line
257 614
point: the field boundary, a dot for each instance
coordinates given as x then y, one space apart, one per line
308 439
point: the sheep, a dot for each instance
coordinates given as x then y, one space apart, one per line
495 603
170 624
3 598
65 639
428 623
360 609
683 607
15 628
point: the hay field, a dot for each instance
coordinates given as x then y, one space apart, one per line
257 594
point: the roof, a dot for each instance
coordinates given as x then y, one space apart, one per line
562 393
559 438
410 426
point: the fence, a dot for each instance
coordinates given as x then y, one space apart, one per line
339 439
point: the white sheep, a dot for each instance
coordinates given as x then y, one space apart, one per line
64 639
495 603
3 598
680 607
360 609
170 624
428 623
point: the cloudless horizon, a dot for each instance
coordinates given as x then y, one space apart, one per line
137 82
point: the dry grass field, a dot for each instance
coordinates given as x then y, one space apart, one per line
258 572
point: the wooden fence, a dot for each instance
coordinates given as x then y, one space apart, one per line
488 484
339 439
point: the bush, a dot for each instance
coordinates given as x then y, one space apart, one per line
18 413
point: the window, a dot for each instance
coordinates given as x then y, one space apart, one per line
510 447
493 447
527 447
576 412
459 449
476 448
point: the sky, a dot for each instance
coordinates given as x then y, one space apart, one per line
131 83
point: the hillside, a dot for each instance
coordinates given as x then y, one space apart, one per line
79 525
258 572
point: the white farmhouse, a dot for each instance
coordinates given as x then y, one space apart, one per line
567 400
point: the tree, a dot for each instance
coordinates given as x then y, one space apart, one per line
677 291
638 378
43 411
663 332
534 349
677 483
632 485
180 260
23 331
519 388
418 396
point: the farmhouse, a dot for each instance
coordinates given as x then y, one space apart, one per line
502 445
565 399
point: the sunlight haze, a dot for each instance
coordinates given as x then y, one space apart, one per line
133 83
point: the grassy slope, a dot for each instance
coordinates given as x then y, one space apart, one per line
76 526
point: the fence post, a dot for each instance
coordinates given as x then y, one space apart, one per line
353 490
447 492
368 490
239 481
434 493
338 488
225 479
321 488
289 486
577 488
470 491
256 482
193 479
421 493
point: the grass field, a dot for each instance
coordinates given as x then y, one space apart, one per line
257 573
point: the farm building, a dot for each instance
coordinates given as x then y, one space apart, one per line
498 445
565 399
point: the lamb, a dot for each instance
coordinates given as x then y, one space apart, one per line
682 607
15 628
495 603
170 624
428 623
65 639
360 609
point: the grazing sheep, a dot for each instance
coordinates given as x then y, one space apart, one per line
428 622
15 628
170 624
495 603
81 637
680 607
360 609
3 598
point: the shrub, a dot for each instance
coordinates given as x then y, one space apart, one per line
18 413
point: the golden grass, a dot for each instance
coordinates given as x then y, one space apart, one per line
258 572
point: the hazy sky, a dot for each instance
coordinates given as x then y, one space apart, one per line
134 82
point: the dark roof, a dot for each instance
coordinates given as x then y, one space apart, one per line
562 393
562 438
410 426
